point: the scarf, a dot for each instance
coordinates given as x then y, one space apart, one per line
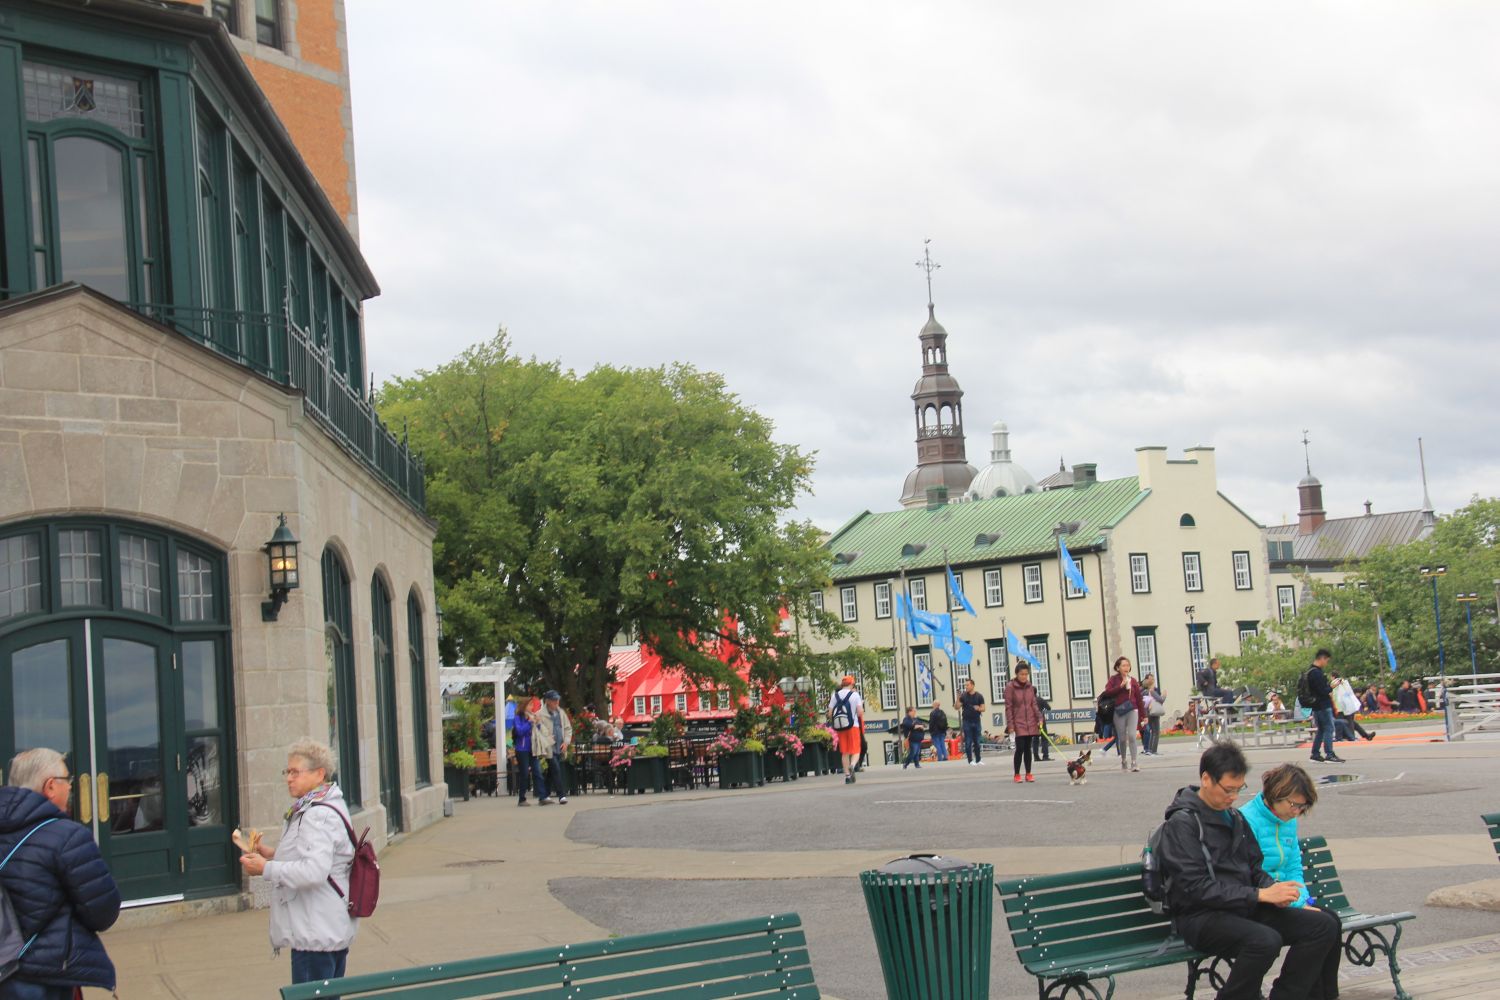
316 795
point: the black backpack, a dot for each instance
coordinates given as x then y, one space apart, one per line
1153 883
1305 696
12 947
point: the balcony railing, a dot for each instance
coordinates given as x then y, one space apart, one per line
280 350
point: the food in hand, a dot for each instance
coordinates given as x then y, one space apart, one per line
250 845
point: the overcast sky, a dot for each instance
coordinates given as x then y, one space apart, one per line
1169 223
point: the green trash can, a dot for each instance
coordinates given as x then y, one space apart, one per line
932 918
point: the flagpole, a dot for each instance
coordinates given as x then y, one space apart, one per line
1062 602
905 645
952 624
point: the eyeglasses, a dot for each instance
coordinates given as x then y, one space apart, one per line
1298 808
1235 791
292 772
62 777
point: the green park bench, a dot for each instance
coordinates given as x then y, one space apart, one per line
1365 934
1492 820
761 957
1074 928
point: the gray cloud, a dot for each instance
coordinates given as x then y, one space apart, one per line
1162 223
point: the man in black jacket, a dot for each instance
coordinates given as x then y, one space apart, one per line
1223 902
937 728
1322 709
57 882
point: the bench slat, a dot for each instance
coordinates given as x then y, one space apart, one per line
1096 929
1035 884
1096 967
698 952
599 988
1044 918
794 983
1122 941
1078 894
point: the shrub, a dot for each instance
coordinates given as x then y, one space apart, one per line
461 759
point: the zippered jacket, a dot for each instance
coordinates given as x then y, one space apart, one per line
1234 881
1281 856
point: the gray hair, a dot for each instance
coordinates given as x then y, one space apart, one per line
32 768
316 755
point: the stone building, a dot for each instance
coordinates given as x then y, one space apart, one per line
181 364
1176 573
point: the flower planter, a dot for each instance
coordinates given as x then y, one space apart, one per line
646 773
779 768
457 780
813 759
741 768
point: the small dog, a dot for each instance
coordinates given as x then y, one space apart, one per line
1078 768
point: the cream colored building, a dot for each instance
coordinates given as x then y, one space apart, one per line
181 364
1150 546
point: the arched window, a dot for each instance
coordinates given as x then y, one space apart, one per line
389 751
416 656
1187 522
338 647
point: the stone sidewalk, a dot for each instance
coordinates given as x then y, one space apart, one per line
477 884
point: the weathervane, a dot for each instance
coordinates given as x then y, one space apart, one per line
1306 455
927 265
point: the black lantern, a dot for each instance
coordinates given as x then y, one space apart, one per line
281 553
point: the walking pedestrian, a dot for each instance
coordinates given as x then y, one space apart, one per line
551 735
57 882
1129 711
913 730
1044 741
1346 705
937 729
528 768
1156 708
309 868
1023 720
1322 709
971 705
846 716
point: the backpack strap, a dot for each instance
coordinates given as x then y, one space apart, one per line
352 839
56 910
23 840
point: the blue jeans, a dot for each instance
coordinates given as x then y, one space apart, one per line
313 966
559 779
1323 737
528 775
972 735
914 753
940 744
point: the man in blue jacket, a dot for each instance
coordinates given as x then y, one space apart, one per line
57 882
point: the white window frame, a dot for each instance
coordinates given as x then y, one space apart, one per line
723 694
1073 592
916 692
849 603
755 696
1192 572
656 704
994 588
1286 602
953 602
817 600
1031 581
1140 573
917 588
680 702
1041 678
1248 633
1145 654
999 668
889 693
639 704
1198 647
1242 578
1081 672
883 599
961 674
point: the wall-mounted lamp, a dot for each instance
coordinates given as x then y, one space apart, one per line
281 553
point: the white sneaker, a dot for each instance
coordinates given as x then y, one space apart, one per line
980 761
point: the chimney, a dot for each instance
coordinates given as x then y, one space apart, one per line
1368 505
937 496
1085 474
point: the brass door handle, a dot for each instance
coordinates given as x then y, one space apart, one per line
85 798
101 784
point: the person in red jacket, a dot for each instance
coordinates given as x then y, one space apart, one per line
1129 713
1023 718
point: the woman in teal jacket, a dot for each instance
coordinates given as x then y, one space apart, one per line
1287 792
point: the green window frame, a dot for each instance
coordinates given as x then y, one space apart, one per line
343 700
416 652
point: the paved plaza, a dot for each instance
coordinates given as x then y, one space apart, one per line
496 878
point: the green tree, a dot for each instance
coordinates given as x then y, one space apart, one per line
1389 582
572 508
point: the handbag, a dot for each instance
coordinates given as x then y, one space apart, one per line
1157 708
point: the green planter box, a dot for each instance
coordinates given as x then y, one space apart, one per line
741 769
646 773
457 780
813 759
779 768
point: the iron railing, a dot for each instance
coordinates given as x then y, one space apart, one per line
278 349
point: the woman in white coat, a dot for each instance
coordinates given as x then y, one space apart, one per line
308 914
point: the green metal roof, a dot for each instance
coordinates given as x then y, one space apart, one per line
873 545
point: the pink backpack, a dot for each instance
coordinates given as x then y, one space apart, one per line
364 873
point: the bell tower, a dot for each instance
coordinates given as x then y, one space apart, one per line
938 408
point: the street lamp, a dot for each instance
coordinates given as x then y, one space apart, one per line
1190 611
1431 573
281 555
1466 600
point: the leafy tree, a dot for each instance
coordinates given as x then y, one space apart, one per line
572 508
1389 581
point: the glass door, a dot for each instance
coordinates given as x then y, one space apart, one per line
36 680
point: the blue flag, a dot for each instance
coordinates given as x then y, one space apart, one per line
1390 654
957 649
1070 568
906 613
958 592
1018 650
931 623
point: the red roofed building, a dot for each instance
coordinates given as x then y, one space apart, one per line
643 688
